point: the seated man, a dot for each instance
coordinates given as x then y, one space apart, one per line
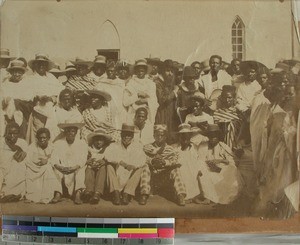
12 167
126 161
219 177
68 159
95 173
163 164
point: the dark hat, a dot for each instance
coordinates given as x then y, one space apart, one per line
127 128
154 61
189 71
17 64
79 61
41 57
228 88
104 94
250 64
213 128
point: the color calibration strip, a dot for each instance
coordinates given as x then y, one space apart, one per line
58 230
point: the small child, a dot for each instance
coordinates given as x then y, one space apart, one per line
95 174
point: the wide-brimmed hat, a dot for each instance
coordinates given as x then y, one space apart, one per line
98 132
189 71
5 54
17 64
56 70
68 124
185 128
81 61
167 64
41 58
205 67
198 96
141 62
70 67
104 94
154 61
280 67
100 59
250 64
124 64
127 128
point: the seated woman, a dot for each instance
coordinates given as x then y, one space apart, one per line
219 177
228 117
95 173
98 115
198 118
40 178
12 167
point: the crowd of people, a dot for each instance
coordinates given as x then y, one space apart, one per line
110 129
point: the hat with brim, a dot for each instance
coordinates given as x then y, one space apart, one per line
280 67
185 128
127 128
125 65
82 62
198 96
5 54
154 61
98 132
17 65
70 67
100 60
70 125
101 93
189 71
56 70
41 58
250 64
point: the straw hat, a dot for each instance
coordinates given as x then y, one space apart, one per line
5 54
141 62
127 128
160 127
105 95
98 132
68 124
185 128
56 70
17 64
39 58
100 59
79 61
70 66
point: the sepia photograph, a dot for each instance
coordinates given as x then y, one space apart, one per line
134 108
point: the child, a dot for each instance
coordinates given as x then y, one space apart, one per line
95 174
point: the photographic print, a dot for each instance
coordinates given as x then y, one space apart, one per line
184 109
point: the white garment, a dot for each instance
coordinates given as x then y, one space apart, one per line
190 166
40 180
116 89
246 93
97 78
135 86
145 136
12 173
206 82
133 155
222 187
68 155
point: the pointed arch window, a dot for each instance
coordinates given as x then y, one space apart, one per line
238 39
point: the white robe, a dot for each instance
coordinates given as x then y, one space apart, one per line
246 93
12 173
144 136
135 86
40 180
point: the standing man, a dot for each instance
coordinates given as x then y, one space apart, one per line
144 129
155 64
98 69
5 59
216 78
68 160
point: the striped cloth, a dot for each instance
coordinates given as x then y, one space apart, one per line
76 82
230 123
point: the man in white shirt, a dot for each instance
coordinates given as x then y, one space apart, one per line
144 129
68 160
98 69
126 161
216 78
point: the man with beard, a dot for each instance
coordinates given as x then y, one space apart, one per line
68 160
12 167
98 68
216 78
166 92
